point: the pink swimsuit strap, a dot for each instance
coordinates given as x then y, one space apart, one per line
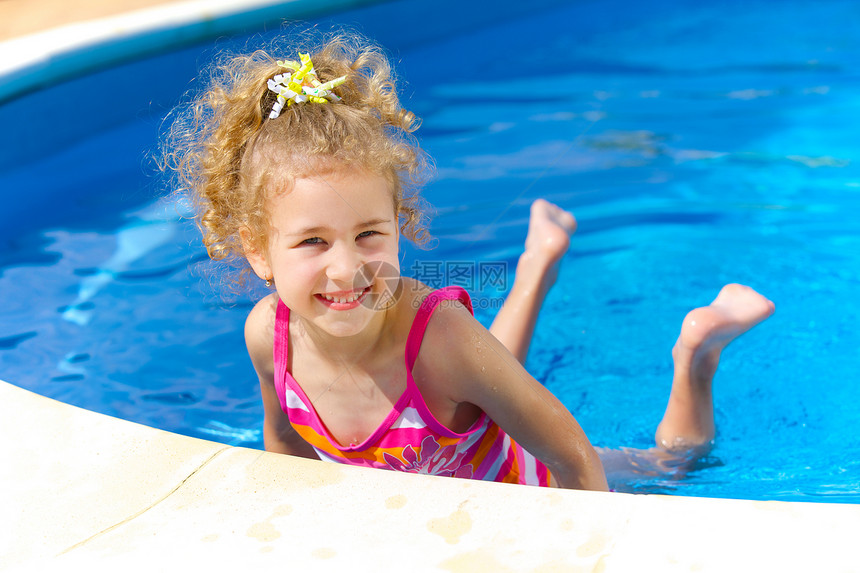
425 312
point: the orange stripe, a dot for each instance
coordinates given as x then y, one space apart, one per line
323 444
373 454
486 443
514 473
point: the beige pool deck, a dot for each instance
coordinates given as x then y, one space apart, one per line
84 490
80 489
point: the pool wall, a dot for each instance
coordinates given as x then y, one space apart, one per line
80 488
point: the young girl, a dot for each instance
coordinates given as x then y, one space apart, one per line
306 169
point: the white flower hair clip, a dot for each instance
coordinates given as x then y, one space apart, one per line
301 86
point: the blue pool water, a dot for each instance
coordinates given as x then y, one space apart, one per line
697 143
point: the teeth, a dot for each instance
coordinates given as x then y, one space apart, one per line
339 299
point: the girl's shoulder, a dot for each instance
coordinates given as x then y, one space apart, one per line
263 313
260 327
446 336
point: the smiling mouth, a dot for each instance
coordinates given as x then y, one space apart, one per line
344 298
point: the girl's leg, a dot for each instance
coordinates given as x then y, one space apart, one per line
687 429
688 423
548 239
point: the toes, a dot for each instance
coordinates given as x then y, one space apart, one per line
744 303
548 215
736 310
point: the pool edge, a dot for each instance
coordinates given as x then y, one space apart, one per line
85 488
36 60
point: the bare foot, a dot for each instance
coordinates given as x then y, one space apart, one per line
709 329
688 423
550 228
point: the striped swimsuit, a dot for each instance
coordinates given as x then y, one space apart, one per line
410 439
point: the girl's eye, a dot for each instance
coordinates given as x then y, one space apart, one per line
366 234
312 241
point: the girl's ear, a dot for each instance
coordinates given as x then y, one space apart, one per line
258 261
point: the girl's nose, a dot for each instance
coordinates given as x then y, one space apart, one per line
343 264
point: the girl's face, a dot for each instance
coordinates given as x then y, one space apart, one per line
324 231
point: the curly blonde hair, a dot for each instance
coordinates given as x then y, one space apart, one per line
229 157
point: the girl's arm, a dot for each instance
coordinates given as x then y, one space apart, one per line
278 435
468 364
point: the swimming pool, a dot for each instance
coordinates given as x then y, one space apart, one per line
693 150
